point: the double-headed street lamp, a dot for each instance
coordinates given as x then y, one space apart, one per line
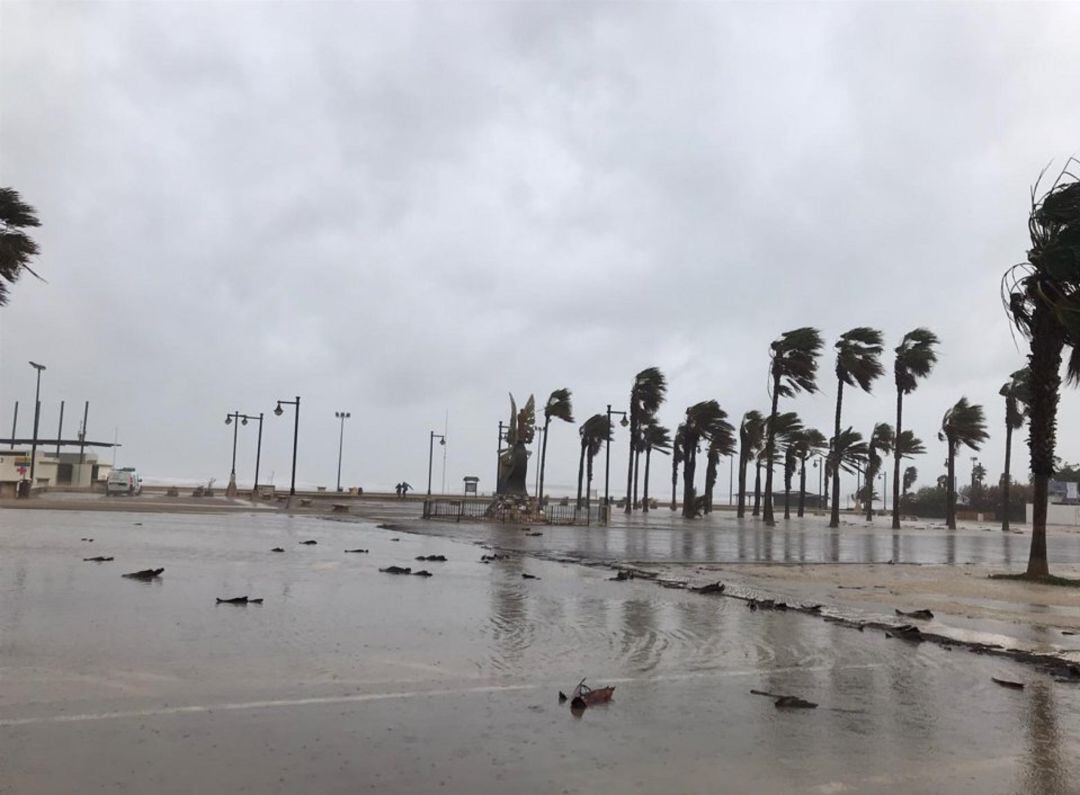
607 457
231 490
431 452
243 420
341 415
37 414
296 436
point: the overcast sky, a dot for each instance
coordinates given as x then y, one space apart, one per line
408 211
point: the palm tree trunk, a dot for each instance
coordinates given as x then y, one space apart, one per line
950 490
834 518
1005 477
741 509
787 498
637 466
1045 366
770 453
757 488
674 480
645 485
580 474
710 481
896 462
802 488
630 463
588 483
689 470
543 462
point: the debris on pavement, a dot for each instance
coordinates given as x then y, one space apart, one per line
98 559
145 574
396 570
240 600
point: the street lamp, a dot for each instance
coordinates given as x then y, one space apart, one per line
243 418
430 454
296 436
37 414
341 415
607 457
539 431
230 491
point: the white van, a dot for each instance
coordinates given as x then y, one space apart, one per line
123 481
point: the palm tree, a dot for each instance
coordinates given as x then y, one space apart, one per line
882 441
807 443
16 247
786 427
915 358
963 424
1043 302
758 459
911 474
654 437
793 369
751 435
1017 394
646 396
557 406
678 448
594 432
704 421
858 361
847 453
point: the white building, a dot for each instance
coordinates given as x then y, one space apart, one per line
50 470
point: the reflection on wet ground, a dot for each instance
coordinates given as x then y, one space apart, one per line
347 679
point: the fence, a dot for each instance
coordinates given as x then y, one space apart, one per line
456 510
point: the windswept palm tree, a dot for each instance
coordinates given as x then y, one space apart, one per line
646 396
847 454
1043 299
911 474
858 362
1017 394
808 442
751 437
785 428
594 432
963 424
705 421
915 358
882 442
678 452
793 369
654 437
558 406
17 248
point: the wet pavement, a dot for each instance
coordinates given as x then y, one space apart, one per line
346 679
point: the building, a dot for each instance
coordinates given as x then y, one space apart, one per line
50 469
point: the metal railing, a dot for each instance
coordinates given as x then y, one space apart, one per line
458 509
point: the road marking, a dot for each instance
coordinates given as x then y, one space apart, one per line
199 709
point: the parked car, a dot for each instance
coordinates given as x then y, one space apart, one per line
123 481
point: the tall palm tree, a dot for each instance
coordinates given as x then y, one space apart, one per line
751 436
17 248
678 452
807 443
915 358
1017 394
594 432
882 442
793 369
654 437
646 396
786 427
1043 300
963 424
858 362
705 421
558 406
847 453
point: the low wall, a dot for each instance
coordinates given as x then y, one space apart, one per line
1058 514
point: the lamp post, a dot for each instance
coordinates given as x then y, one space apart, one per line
539 430
498 458
341 415
730 479
430 454
37 415
258 447
607 458
230 490
296 436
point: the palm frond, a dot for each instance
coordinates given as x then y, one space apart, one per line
794 360
849 451
559 406
909 445
964 424
915 358
858 357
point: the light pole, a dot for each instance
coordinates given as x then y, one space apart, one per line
258 445
37 414
230 490
296 436
498 458
607 458
430 454
730 479
341 415
539 430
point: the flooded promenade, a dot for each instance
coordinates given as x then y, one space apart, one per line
347 679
